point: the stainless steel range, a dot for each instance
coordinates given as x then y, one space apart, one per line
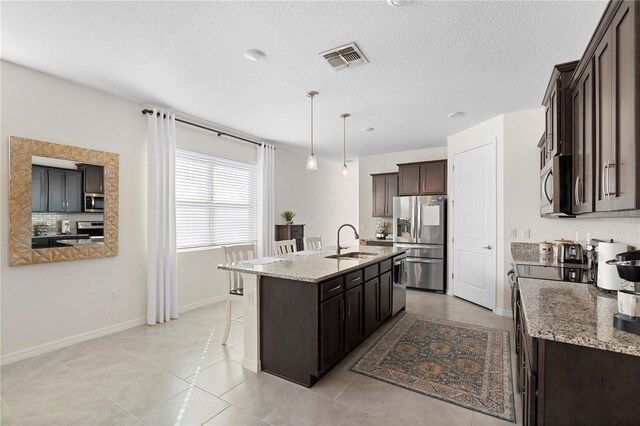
95 230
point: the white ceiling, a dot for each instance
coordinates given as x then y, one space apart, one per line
426 59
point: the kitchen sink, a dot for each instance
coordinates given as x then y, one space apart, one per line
352 255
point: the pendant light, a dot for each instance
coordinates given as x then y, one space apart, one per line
344 170
311 159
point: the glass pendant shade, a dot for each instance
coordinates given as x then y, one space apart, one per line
344 170
311 162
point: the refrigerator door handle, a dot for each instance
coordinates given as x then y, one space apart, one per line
416 220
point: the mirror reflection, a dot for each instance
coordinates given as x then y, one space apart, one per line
67 203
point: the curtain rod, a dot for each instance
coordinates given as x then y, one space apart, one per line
218 132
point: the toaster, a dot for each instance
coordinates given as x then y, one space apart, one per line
570 253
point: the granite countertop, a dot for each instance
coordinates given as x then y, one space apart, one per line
315 267
529 254
578 314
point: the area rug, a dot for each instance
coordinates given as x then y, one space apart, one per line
463 364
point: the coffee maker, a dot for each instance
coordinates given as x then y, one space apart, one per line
628 316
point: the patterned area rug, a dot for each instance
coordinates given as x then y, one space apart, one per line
463 364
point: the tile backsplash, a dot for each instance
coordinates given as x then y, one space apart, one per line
53 219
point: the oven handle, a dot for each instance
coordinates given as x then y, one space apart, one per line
423 260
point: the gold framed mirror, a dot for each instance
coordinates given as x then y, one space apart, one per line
23 249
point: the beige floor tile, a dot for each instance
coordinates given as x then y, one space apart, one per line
308 408
188 364
261 394
355 417
233 416
190 407
28 369
220 377
118 373
234 353
480 419
333 383
7 418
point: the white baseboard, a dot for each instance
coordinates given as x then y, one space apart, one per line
94 334
200 303
68 341
502 312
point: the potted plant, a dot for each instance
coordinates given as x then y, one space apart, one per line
288 216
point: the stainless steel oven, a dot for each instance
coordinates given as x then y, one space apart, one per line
93 203
94 229
555 187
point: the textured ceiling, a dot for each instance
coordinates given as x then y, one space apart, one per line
426 59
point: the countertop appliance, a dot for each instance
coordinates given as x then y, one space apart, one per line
95 230
608 278
419 225
628 267
93 203
570 253
399 283
555 187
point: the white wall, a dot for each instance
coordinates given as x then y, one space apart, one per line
49 302
322 200
386 163
199 280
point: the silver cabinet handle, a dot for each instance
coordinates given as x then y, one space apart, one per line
611 166
489 247
605 169
335 288
576 196
355 279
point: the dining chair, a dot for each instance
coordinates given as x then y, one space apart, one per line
235 253
312 243
284 247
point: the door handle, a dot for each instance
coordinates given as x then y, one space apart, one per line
576 195
489 247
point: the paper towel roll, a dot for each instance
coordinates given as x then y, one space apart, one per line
608 277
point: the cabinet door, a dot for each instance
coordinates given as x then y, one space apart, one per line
371 305
354 321
39 189
379 196
604 122
553 125
433 178
331 332
73 191
583 143
386 290
391 183
409 179
621 172
93 179
56 190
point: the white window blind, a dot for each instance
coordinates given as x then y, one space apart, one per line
216 200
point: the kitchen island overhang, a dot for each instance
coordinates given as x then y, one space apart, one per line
305 312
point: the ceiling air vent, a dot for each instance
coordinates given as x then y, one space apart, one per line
344 57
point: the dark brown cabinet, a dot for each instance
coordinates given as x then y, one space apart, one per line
93 178
331 331
583 123
384 188
371 304
64 190
557 103
426 178
354 319
385 289
291 232
617 115
39 189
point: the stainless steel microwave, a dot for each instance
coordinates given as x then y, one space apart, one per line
555 187
93 203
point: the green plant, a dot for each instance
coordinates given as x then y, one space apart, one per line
288 215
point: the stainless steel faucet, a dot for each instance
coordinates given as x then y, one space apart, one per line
355 231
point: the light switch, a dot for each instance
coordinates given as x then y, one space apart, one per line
525 233
513 232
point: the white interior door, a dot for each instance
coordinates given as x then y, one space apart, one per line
474 223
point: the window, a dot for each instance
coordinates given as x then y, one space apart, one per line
216 200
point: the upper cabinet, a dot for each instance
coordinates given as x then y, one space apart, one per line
65 190
385 187
606 115
426 178
39 189
557 103
93 181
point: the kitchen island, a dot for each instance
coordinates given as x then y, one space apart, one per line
573 365
305 311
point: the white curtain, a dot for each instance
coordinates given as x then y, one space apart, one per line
162 284
266 198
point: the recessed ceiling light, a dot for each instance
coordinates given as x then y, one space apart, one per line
254 55
398 2
455 114
367 129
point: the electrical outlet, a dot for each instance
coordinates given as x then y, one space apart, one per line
526 233
113 294
513 232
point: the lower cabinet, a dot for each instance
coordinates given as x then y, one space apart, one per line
307 328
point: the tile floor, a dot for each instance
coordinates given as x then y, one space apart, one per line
179 374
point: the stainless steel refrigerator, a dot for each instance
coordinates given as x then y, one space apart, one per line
420 224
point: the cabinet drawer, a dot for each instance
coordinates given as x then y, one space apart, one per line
296 231
371 272
386 265
331 288
353 279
